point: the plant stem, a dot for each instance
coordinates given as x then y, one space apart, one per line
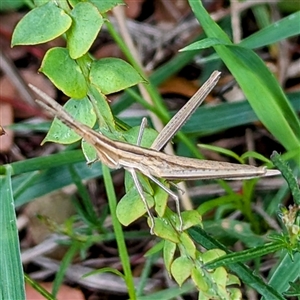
112 201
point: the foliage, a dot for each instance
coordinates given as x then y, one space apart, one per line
88 82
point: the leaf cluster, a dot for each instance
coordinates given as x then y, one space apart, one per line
88 82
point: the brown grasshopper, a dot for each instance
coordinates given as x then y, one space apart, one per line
150 161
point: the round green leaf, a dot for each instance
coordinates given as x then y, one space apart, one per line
199 279
107 5
190 218
165 230
168 254
131 207
235 293
144 181
85 27
106 118
89 152
188 245
103 6
81 110
220 277
63 71
42 24
232 280
181 269
111 75
149 135
161 198
212 254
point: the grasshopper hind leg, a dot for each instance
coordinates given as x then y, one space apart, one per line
141 132
167 190
141 193
171 194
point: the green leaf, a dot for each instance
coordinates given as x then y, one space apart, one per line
85 27
286 271
63 266
168 254
105 117
131 207
191 218
103 6
161 201
149 135
41 25
203 44
265 96
233 280
212 254
12 281
164 229
294 289
144 181
161 198
199 279
111 75
63 71
81 110
243 272
220 277
181 269
232 115
188 245
255 155
107 5
55 176
245 255
41 290
258 84
277 31
89 152
40 2
221 150
295 292
104 270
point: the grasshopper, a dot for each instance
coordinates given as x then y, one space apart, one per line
150 161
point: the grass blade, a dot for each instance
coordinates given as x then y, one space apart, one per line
257 82
12 278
